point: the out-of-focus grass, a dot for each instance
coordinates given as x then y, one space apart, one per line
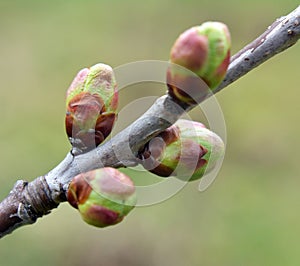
249 216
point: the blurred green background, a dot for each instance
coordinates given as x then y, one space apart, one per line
249 216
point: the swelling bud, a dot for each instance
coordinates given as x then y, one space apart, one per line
199 60
186 150
91 103
103 196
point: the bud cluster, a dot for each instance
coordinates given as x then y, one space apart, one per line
186 150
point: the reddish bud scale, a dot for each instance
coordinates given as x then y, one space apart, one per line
101 216
187 87
190 50
79 190
87 121
154 149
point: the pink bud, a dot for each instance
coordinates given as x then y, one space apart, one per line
103 196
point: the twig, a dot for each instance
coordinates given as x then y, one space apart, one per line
28 201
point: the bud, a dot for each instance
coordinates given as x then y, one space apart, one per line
91 103
202 52
103 196
186 150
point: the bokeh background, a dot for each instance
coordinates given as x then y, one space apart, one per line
248 216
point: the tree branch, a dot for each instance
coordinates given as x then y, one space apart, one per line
282 34
28 201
